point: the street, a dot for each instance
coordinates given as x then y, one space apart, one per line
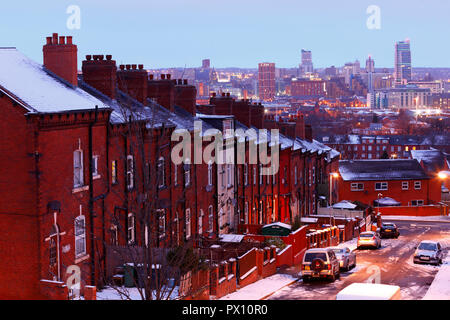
391 264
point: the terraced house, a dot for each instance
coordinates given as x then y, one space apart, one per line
87 161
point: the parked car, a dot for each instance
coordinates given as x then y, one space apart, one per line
346 257
389 230
428 252
369 239
369 291
320 263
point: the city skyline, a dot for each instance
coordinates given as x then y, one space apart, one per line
157 34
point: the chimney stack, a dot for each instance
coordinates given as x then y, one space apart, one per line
101 74
61 58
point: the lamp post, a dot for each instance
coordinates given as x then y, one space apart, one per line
335 175
378 203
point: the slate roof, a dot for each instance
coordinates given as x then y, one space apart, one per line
381 170
37 89
433 160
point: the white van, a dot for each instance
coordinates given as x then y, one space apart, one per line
369 291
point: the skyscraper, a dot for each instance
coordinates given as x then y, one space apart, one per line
307 65
402 72
206 64
370 65
266 81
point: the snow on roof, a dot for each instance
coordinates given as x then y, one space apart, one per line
387 201
278 224
37 89
235 238
386 169
308 220
344 204
368 291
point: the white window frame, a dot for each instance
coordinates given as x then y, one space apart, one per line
210 219
78 169
161 172
417 185
245 174
357 186
95 173
229 176
405 185
210 174
200 222
187 173
131 228
130 172
162 223
384 186
80 236
188 223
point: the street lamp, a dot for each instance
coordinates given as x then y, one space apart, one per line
378 203
335 175
332 175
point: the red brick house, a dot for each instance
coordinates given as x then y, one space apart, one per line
402 180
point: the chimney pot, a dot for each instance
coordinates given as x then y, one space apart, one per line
62 40
179 81
228 94
185 82
122 67
169 76
128 66
223 94
133 66
214 94
55 38
88 57
109 57
141 67
69 39
163 76
151 77
49 40
101 57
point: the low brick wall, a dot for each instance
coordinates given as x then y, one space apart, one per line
417 211
54 290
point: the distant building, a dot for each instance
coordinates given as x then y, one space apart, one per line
266 81
370 65
303 87
405 97
307 64
206 64
402 70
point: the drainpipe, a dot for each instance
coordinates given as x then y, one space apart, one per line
91 197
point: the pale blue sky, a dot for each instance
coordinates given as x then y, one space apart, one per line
237 33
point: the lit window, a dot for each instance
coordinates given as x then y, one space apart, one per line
200 222
357 186
187 173
114 172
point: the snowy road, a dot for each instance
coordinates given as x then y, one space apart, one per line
393 261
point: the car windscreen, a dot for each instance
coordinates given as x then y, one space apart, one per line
338 251
388 226
366 235
310 256
427 246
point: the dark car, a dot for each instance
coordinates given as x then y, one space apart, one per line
389 230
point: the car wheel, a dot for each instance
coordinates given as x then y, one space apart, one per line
333 278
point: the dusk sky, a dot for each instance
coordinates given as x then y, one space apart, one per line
234 33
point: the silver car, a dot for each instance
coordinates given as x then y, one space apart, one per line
346 257
428 252
369 239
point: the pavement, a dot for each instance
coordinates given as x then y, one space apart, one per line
440 288
444 219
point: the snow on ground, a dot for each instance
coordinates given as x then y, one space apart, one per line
411 218
261 288
122 293
351 244
440 288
